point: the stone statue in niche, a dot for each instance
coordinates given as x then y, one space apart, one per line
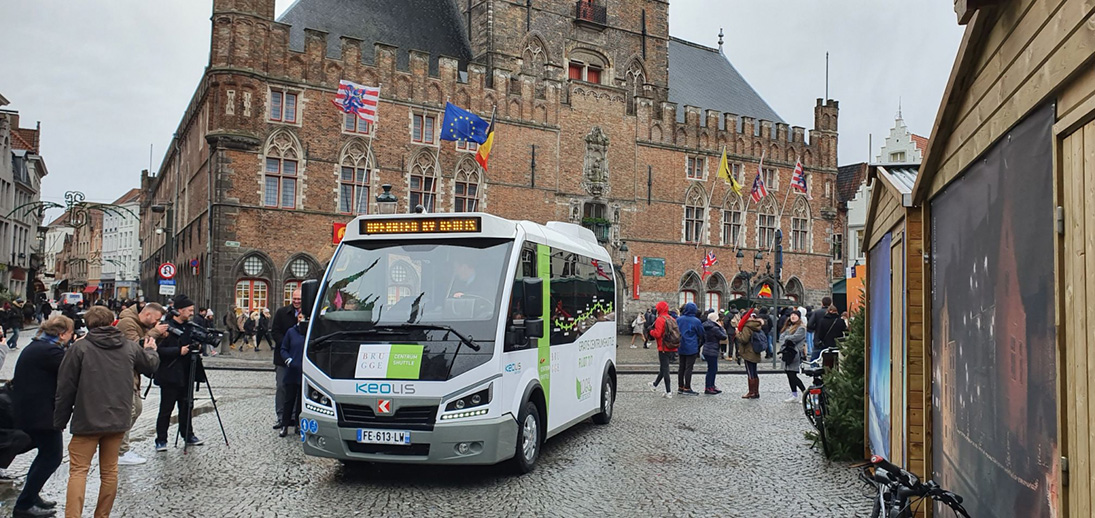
575 213
595 170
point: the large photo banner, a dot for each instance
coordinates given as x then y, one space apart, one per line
880 308
994 422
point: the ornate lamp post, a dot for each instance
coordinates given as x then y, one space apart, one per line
386 202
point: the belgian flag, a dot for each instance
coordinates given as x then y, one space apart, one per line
483 154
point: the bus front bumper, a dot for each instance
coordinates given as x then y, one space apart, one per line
478 441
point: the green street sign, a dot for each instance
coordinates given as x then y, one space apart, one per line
653 267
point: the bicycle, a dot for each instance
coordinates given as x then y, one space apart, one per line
813 401
899 491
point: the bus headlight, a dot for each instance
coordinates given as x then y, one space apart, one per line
461 406
318 401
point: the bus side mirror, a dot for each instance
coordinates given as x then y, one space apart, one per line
534 328
533 298
308 291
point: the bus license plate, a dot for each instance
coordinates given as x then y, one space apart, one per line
397 437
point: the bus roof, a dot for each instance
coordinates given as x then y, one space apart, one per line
474 224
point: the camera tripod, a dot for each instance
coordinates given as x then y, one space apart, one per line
195 362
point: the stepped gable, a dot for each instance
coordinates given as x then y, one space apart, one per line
432 26
703 77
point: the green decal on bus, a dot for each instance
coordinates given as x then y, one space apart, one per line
543 267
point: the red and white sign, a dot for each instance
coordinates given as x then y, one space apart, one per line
167 271
636 274
383 406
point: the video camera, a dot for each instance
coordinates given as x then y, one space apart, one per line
198 334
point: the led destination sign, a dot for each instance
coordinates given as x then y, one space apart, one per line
421 226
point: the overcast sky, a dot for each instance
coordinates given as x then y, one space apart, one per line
109 79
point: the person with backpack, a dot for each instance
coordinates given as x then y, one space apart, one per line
668 338
829 329
751 342
692 337
713 333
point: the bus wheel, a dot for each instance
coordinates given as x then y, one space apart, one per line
608 399
529 439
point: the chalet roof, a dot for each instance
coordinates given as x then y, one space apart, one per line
703 77
433 26
902 177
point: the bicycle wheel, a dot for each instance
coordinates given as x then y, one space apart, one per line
820 421
808 407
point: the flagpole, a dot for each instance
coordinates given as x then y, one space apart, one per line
372 135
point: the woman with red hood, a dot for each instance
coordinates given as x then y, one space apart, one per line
749 331
668 336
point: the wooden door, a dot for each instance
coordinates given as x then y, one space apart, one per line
897 351
1077 314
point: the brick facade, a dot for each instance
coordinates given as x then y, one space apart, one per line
213 173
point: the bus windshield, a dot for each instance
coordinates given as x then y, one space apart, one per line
443 295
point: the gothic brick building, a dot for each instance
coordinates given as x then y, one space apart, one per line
603 119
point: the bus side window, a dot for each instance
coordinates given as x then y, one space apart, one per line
526 267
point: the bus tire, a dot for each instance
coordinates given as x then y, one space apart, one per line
530 433
608 400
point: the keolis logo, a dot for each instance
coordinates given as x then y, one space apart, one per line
405 389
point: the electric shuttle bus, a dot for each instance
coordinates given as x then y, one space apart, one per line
457 339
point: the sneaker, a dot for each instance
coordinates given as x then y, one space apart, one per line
653 386
792 399
668 395
690 392
194 441
634 347
161 445
131 459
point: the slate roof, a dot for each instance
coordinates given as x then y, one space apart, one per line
703 77
433 26
848 180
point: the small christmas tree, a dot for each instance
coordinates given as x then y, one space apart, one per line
844 388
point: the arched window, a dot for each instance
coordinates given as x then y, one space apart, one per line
353 180
693 216
636 78
297 271
794 290
766 223
466 192
689 289
251 294
586 66
280 181
732 219
800 225
423 180
716 286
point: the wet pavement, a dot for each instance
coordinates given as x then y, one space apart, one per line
686 456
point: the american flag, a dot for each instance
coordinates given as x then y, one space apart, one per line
359 99
759 191
709 260
798 181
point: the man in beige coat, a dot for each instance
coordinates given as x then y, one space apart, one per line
136 327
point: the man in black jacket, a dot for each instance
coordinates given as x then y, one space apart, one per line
173 375
811 327
284 320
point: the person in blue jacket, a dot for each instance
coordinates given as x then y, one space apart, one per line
292 352
691 339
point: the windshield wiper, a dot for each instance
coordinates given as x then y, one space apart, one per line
435 327
318 344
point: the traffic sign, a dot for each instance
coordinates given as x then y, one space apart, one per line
167 271
167 282
167 289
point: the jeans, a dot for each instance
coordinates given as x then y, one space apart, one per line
809 342
290 412
684 371
751 369
14 341
81 449
50 447
815 351
279 396
170 397
138 407
795 383
663 369
712 369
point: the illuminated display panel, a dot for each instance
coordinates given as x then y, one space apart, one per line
420 226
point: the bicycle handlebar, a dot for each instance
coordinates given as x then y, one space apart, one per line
910 486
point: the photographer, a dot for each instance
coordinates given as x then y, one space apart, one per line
137 326
174 373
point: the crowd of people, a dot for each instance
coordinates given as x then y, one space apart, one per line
748 337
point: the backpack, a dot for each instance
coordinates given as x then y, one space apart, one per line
759 341
671 337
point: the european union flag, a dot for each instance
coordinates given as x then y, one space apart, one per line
460 124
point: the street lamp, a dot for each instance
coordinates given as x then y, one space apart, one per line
386 202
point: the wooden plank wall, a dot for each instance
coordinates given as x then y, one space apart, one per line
886 212
1033 47
1077 156
918 375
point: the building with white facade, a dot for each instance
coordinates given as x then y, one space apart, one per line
121 257
21 174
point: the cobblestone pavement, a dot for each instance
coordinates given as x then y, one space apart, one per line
687 456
